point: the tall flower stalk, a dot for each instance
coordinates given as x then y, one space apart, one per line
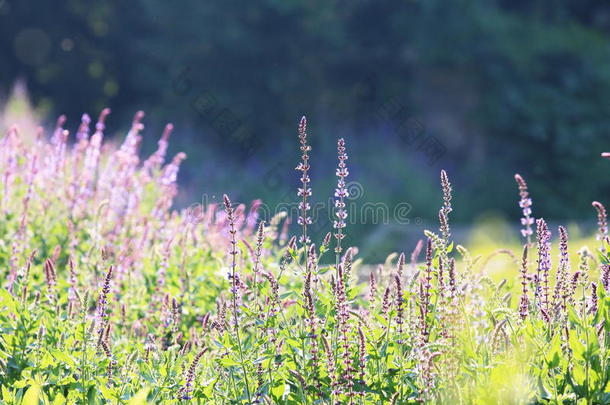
442 243
524 299
187 388
526 206
343 315
304 191
561 280
425 295
602 223
258 251
235 283
233 257
311 319
102 305
446 208
341 193
544 266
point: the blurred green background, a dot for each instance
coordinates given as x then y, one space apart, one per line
481 88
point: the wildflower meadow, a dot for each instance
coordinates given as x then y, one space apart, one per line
110 295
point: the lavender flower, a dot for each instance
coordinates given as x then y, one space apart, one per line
106 349
560 292
605 277
452 278
158 158
400 264
525 203
232 240
573 285
424 294
524 299
102 304
343 315
220 323
593 299
305 190
446 186
544 265
311 319
132 141
275 297
187 388
441 281
92 158
82 135
415 254
443 214
583 266
399 304
252 216
284 232
170 173
26 276
341 193
372 289
347 265
326 240
331 365
162 271
19 240
73 290
260 237
385 304
361 357
602 222
51 277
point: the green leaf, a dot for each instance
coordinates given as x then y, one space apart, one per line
63 357
577 347
140 397
59 400
21 383
228 362
573 316
32 395
553 355
7 396
7 300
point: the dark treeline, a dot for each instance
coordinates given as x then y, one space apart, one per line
482 88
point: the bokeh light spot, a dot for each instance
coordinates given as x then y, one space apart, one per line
5 7
99 28
67 44
96 69
32 46
111 88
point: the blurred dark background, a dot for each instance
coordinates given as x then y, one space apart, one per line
481 88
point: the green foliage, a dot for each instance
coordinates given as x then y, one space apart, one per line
110 296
